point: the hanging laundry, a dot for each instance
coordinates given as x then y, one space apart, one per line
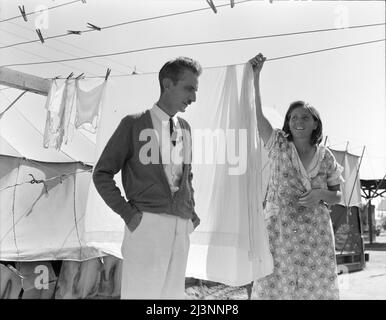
88 105
259 254
59 105
61 116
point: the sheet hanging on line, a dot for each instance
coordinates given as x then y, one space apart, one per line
351 187
231 245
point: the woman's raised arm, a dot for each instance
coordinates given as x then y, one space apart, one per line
263 125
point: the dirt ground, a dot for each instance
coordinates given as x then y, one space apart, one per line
369 283
366 284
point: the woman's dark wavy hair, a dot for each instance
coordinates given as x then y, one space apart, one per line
317 134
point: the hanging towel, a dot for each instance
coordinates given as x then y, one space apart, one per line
59 105
88 105
61 117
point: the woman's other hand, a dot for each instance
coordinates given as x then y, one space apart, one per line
310 199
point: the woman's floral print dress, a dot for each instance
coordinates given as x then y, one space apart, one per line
301 239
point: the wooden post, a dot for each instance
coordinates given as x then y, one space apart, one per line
370 217
24 81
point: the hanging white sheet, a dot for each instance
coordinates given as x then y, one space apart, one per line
351 187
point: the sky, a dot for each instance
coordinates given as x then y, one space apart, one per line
347 86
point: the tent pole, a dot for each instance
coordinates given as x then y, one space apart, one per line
370 217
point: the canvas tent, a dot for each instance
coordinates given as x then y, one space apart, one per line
43 221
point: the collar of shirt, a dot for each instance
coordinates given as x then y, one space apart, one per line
163 117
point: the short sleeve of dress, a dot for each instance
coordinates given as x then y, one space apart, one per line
334 169
275 140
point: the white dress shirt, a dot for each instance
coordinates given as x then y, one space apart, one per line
171 155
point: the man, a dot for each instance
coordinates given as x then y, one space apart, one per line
159 214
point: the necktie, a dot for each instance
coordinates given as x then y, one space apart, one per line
171 128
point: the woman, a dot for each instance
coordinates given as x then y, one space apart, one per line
304 178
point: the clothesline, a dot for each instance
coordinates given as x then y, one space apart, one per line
42 134
71 2
199 43
41 10
118 24
212 67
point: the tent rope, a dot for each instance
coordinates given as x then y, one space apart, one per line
13 103
76 222
34 181
13 210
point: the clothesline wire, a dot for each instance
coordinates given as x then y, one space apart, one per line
66 52
219 66
54 49
39 11
71 2
217 6
124 23
33 180
187 45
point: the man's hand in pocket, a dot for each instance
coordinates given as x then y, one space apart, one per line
135 221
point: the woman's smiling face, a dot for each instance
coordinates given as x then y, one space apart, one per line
302 123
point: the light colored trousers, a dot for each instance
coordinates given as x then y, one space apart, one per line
154 258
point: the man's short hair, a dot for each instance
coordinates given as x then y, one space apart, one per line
174 68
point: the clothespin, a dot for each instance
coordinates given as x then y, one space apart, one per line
107 73
232 3
61 178
70 75
40 35
80 76
210 2
83 1
134 71
91 26
74 32
22 11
